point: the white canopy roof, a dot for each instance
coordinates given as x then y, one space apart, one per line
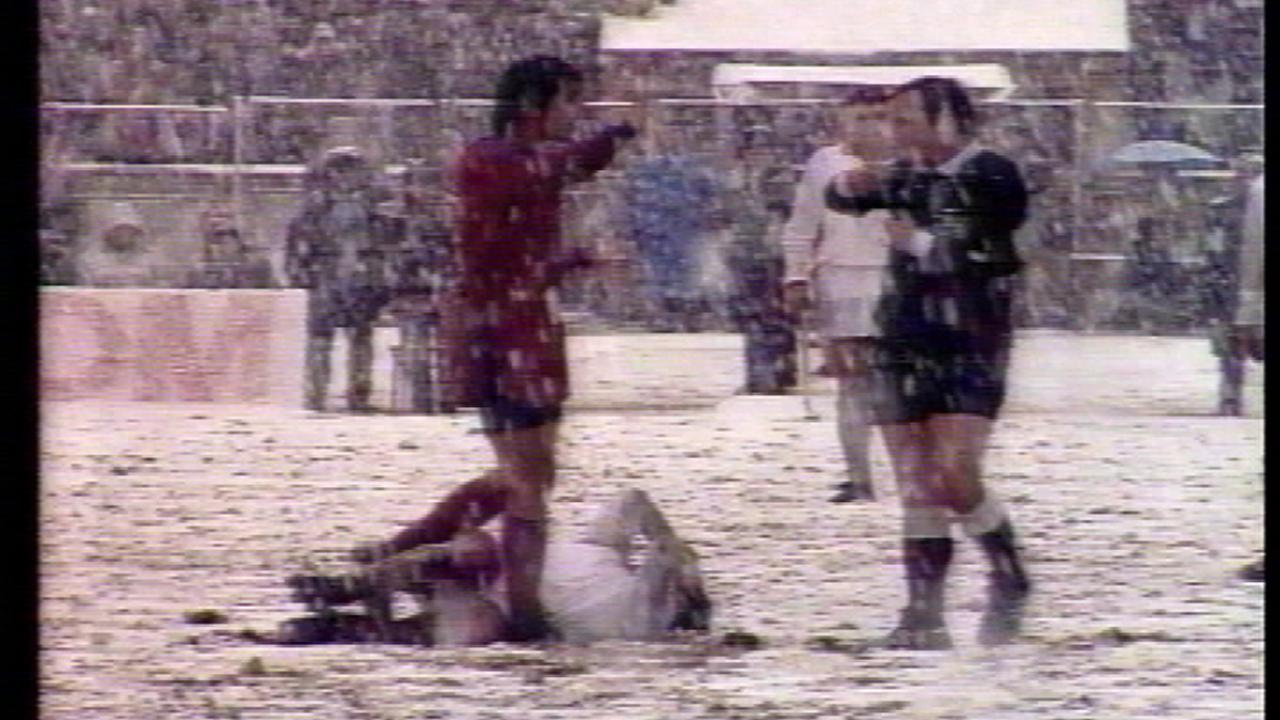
866 26
733 80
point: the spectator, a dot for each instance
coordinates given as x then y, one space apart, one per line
227 260
57 259
324 66
756 303
142 135
425 273
119 253
338 247
668 207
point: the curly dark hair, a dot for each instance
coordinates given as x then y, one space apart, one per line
532 82
937 92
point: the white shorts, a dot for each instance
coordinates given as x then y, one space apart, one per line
845 301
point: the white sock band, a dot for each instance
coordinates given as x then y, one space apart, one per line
919 523
987 516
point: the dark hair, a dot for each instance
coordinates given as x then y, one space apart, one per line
533 81
865 95
936 92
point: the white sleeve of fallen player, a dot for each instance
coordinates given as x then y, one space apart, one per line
617 580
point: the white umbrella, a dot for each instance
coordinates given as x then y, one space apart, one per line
1164 153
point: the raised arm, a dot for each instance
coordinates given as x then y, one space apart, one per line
581 160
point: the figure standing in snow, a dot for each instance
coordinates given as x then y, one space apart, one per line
938 371
835 262
511 259
339 248
668 209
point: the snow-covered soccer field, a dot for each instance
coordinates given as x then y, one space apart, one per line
1136 505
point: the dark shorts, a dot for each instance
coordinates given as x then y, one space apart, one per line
486 373
500 415
908 382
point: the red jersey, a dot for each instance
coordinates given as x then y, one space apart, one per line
508 243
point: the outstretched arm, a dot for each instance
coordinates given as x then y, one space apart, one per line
866 188
581 160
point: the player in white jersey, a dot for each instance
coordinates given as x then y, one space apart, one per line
834 268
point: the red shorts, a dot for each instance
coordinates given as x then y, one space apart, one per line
519 357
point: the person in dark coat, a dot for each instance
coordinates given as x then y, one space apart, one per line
937 378
756 305
338 247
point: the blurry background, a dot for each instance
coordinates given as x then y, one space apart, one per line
172 131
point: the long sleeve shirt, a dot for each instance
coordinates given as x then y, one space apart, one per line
844 255
510 192
603 584
508 247
815 238
950 282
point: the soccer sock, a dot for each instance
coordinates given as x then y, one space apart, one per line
926 561
989 525
471 504
927 548
523 552
1001 548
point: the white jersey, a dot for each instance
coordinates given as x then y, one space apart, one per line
617 579
842 254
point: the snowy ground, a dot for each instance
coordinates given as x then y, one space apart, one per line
1136 506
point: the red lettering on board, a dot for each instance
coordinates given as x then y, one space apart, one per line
84 351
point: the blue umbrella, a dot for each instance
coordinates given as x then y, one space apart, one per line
1164 153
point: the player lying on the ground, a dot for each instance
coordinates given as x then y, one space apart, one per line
626 575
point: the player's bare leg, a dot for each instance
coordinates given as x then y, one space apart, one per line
527 458
961 441
926 540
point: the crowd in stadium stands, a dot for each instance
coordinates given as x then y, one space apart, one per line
208 52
